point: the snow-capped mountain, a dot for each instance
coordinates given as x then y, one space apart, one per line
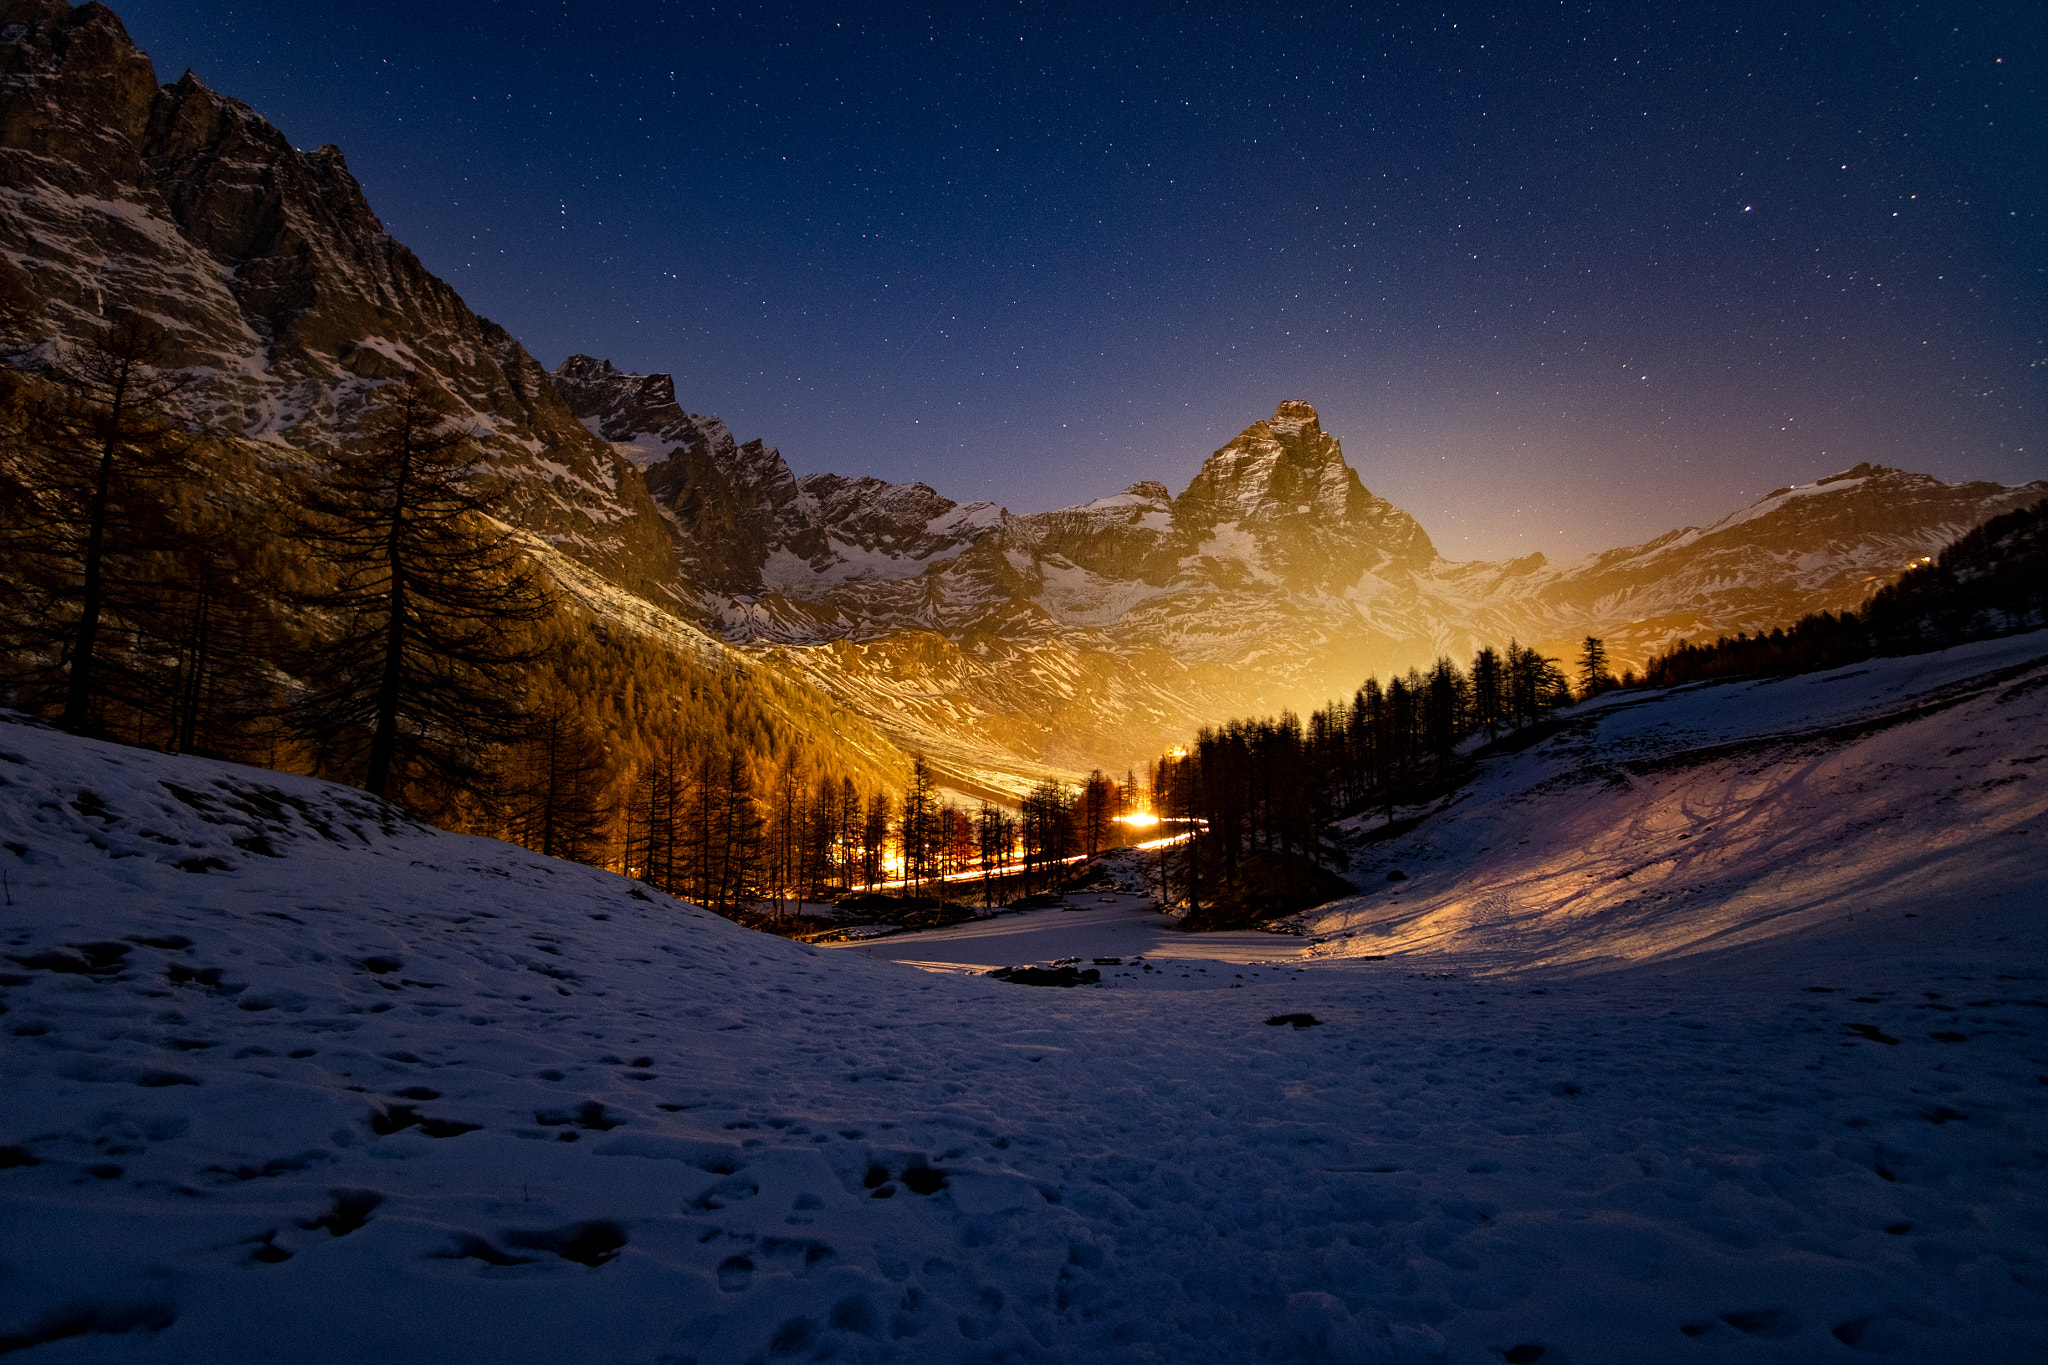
1104 632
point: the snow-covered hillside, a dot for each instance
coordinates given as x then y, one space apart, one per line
289 1077
1657 825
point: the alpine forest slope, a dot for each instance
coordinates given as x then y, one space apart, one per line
1712 1023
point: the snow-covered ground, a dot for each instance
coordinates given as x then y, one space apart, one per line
1839 805
287 1077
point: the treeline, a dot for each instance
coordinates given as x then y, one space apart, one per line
1258 796
1991 581
359 615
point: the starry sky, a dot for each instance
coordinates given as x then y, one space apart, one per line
1560 277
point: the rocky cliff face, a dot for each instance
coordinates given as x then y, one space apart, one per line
284 297
1283 486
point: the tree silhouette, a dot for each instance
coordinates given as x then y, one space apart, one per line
428 604
993 831
920 821
1593 676
88 479
1097 811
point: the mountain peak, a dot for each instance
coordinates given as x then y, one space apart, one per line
1286 480
583 374
1295 418
1280 468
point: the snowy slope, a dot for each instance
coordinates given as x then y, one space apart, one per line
1657 825
250 1020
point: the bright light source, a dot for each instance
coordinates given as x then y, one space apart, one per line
1142 821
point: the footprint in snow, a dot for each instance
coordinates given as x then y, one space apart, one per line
350 1211
1771 1324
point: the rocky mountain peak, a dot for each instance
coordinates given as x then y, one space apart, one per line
1294 418
585 380
1281 468
638 413
722 496
688 457
1285 481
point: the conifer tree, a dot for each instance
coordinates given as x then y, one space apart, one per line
661 799
786 837
1098 808
991 831
87 479
428 604
1593 676
848 828
874 841
556 785
1489 691
919 821
821 836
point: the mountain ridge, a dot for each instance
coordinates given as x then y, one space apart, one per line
1274 580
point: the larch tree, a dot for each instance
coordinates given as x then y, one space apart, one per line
874 839
1593 675
88 478
556 785
786 833
992 830
428 604
1097 810
848 832
1489 691
920 821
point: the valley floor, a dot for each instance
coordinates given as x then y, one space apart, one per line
290 1078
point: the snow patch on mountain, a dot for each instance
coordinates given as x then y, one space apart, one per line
1778 498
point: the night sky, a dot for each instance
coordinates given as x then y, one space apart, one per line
1560 278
